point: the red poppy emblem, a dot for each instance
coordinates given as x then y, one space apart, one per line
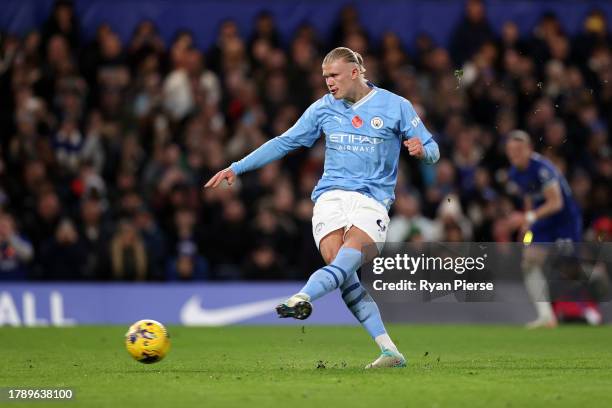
357 122
10 252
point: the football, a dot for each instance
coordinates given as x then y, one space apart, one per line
147 341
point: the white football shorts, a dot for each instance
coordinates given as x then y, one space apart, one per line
337 209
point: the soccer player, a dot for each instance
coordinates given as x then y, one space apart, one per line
364 127
551 216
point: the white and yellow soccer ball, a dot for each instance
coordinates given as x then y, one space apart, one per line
147 341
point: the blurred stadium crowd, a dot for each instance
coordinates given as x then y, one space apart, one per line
105 146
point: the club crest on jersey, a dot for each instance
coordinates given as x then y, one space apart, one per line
357 122
544 174
376 122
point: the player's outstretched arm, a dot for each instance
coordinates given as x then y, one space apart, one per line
303 133
270 151
225 174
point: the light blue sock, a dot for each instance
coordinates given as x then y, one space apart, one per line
363 307
333 276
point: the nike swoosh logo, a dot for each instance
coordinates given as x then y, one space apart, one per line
192 313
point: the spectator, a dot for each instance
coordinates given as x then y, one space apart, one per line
64 256
94 231
471 33
63 22
265 29
155 241
348 23
145 42
15 250
595 35
42 225
188 265
263 264
128 256
407 220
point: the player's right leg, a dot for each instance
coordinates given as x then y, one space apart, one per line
340 265
336 216
328 225
537 287
297 306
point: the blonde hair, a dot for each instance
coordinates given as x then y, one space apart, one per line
346 54
118 253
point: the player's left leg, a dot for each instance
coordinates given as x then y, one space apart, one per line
363 306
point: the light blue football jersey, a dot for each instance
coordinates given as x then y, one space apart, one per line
363 143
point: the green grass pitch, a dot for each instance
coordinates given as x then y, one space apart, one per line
317 366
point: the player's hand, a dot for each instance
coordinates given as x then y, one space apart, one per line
225 174
516 220
415 147
519 222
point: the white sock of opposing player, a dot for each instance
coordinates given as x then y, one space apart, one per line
537 287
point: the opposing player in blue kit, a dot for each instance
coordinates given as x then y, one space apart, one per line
364 128
550 215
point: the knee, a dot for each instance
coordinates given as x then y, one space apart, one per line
330 245
532 258
329 257
329 254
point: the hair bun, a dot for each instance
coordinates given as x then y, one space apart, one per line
359 58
